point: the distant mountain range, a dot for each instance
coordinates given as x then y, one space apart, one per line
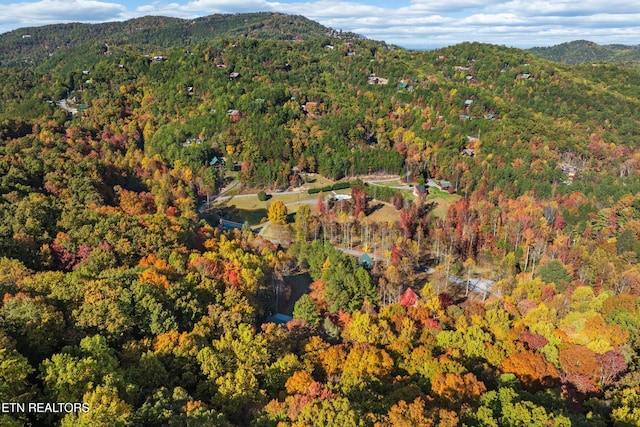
35 45
583 51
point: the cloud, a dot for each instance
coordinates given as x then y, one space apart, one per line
44 12
411 23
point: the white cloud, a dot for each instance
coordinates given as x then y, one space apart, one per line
44 12
415 23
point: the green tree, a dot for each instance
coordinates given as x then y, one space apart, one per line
14 373
555 272
305 309
301 225
337 411
67 376
106 408
36 325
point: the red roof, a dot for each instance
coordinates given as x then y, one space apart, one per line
408 298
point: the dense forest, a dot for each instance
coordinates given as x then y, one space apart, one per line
583 51
120 291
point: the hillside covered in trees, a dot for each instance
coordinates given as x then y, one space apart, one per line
121 292
583 51
37 44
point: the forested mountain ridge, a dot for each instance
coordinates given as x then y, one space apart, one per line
583 51
29 46
120 289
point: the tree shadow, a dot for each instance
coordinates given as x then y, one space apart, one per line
373 208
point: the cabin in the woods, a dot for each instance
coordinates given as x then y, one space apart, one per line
366 261
408 298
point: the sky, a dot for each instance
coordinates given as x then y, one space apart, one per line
415 24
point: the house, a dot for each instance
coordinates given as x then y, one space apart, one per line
221 66
26 36
365 261
234 75
230 225
158 58
419 191
278 319
464 117
523 76
192 141
570 171
375 80
310 107
468 102
469 152
408 298
234 115
217 162
446 186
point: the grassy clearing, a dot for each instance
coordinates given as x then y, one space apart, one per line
442 206
443 200
384 213
313 180
435 192
395 183
249 208
254 215
252 202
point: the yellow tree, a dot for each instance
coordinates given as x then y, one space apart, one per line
277 213
456 387
404 414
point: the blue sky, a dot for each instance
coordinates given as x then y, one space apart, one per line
408 23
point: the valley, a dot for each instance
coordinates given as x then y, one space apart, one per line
454 234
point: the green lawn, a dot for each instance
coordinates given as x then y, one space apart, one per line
249 208
443 200
395 183
435 192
